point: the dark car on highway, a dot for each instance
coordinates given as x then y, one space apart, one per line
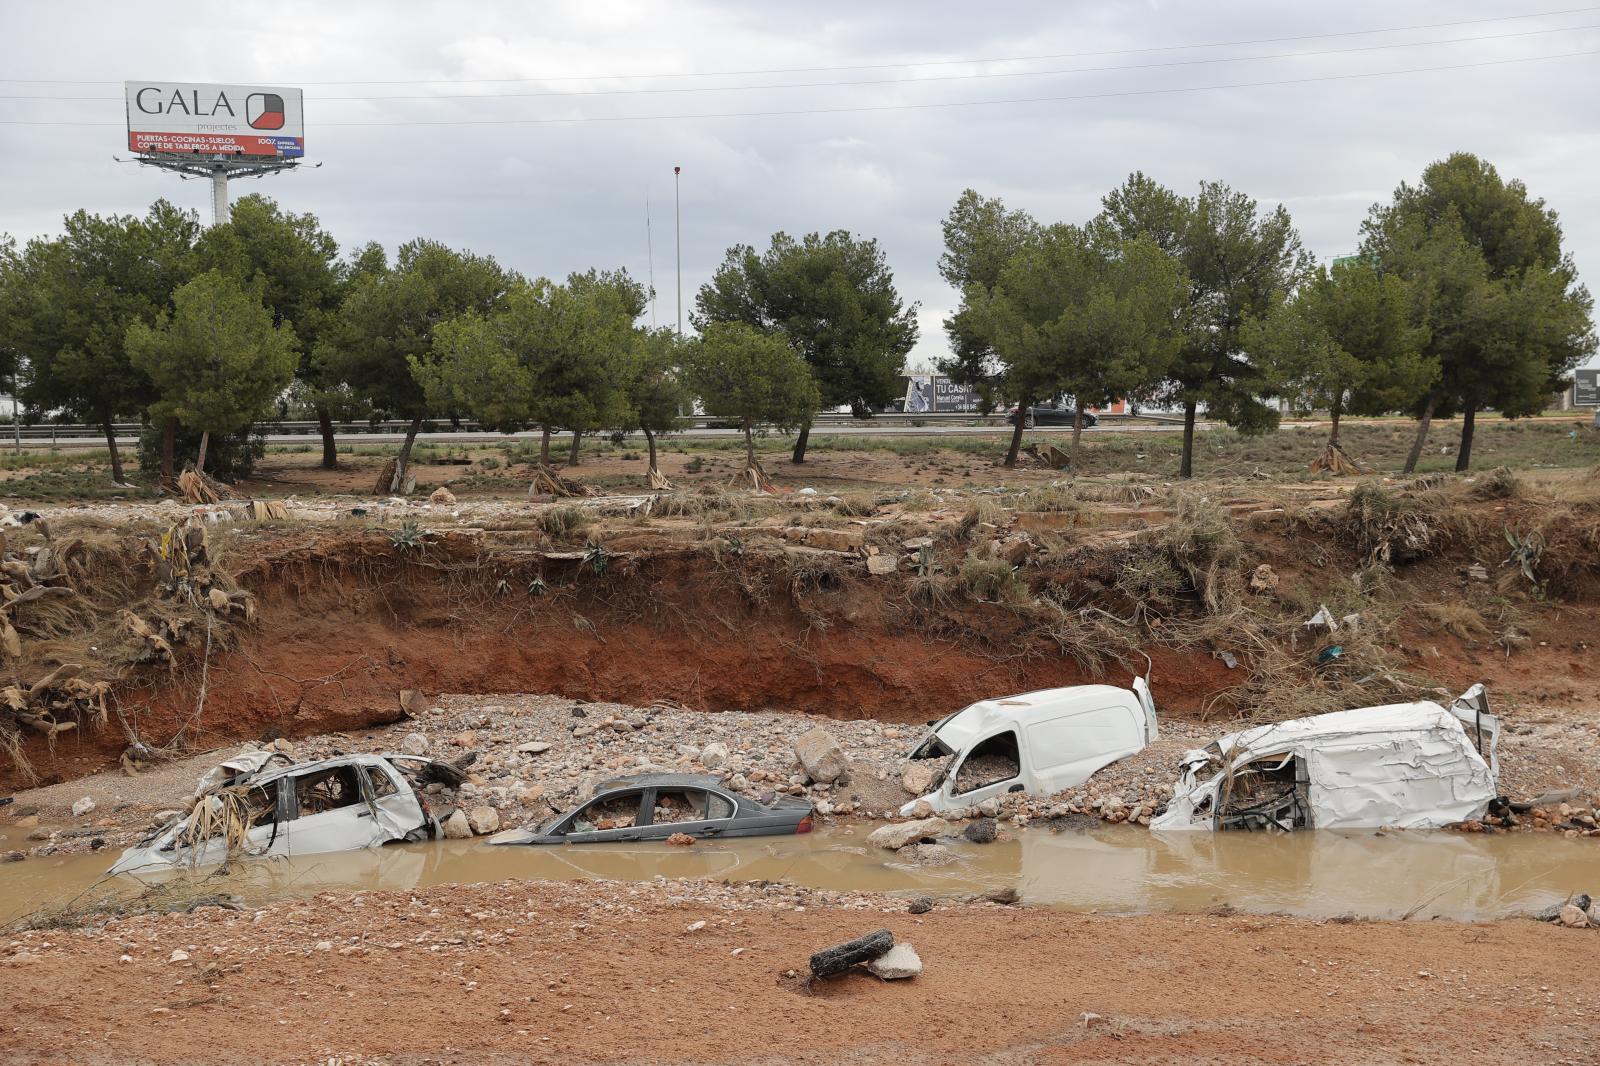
656 806
1051 415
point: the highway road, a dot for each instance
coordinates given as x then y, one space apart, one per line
841 429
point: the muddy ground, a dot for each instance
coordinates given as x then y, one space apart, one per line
520 972
901 588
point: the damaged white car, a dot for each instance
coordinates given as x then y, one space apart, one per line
248 807
1402 766
1037 742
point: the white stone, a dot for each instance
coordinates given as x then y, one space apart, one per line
896 836
178 956
917 777
456 827
898 962
82 807
533 747
714 756
414 744
484 820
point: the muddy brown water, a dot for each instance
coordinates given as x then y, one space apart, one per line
1108 869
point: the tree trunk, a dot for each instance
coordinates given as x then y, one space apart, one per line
111 446
1186 467
1016 435
169 429
544 446
799 455
1077 434
1422 434
200 461
650 442
572 456
749 444
1464 456
402 462
330 450
1333 416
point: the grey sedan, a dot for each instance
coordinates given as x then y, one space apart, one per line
656 806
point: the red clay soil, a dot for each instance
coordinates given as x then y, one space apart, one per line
524 972
346 624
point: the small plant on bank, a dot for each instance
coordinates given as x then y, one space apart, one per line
596 558
407 538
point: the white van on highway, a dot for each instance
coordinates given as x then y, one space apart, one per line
1037 742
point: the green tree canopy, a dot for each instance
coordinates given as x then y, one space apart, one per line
388 319
1346 342
1506 316
740 372
657 396
67 303
551 355
296 264
1241 263
833 299
1084 313
980 236
217 360
582 375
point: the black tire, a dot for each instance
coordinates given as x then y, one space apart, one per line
841 957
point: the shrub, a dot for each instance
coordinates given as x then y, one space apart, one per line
229 457
563 521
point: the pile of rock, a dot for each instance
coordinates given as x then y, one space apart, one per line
1578 912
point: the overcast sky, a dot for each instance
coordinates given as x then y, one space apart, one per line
548 198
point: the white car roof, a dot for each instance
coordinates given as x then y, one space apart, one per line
984 717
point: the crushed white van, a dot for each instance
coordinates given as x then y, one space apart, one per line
1402 766
1037 742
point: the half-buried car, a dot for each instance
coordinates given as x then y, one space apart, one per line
648 807
251 806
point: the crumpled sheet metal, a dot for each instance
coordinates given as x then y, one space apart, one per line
1403 766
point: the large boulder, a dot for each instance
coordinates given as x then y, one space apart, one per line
457 827
484 820
714 756
820 754
895 836
414 744
917 777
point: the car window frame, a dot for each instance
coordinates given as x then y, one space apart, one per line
952 773
289 783
564 827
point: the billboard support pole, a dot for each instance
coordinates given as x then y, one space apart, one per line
219 196
219 169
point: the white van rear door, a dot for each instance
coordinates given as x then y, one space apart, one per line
1064 752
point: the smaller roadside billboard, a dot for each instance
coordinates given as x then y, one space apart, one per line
939 393
1586 391
190 118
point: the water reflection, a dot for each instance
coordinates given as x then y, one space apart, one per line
1113 869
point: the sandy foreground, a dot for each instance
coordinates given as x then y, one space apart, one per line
539 972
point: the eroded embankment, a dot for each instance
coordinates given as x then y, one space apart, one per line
345 620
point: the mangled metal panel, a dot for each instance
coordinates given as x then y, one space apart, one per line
1405 766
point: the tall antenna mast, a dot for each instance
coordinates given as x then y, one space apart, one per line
650 252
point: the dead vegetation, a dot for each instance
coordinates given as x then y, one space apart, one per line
84 609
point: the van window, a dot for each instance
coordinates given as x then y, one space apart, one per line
989 762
